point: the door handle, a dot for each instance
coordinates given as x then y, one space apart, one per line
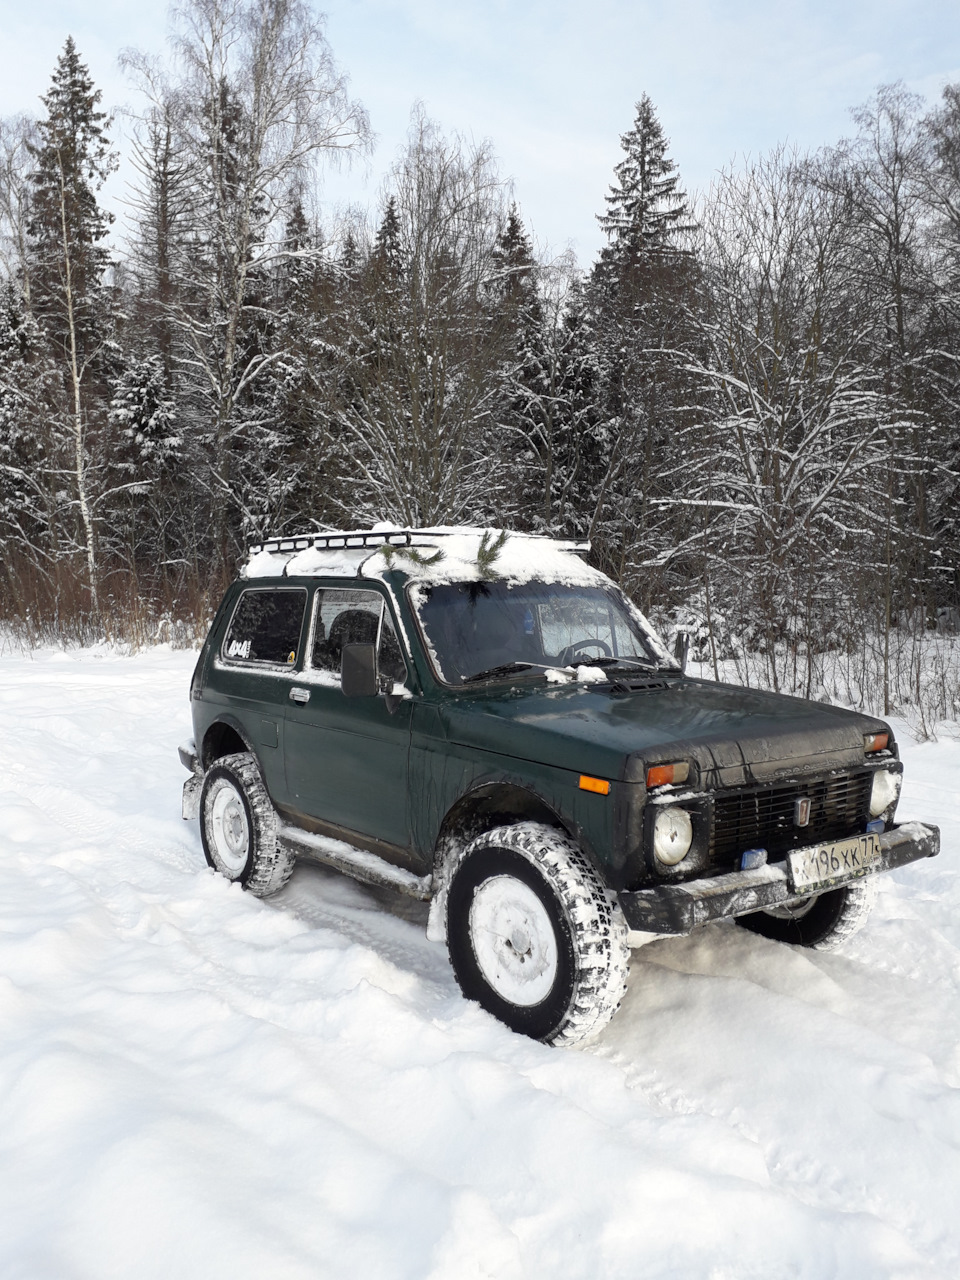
300 696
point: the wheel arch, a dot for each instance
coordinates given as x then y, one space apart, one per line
494 804
224 737
483 807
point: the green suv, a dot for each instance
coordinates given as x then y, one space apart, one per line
484 721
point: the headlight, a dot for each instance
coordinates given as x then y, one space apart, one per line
672 835
884 792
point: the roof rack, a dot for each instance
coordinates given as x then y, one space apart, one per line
360 538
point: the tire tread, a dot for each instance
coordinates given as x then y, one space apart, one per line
272 863
593 914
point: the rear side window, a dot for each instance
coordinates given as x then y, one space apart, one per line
266 627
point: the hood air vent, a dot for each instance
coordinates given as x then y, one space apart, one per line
640 684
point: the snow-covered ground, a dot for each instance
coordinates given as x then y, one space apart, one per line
194 1083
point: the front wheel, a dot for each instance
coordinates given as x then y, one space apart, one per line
822 920
532 935
238 826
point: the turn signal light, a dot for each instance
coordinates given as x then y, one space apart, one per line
875 742
599 785
662 774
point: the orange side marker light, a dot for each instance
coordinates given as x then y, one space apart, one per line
599 785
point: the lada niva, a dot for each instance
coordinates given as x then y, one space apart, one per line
486 722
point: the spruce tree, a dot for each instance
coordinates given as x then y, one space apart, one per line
387 249
27 386
641 293
73 159
522 428
646 211
581 444
514 276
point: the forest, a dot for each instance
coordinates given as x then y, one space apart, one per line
749 403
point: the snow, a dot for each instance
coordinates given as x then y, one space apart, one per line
311 562
367 866
584 675
195 1083
523 558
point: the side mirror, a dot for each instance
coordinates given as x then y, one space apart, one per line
681 648
358 671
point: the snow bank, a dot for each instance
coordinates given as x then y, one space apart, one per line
194 1083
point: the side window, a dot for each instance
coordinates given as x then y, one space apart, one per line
390 657
345 616
266 627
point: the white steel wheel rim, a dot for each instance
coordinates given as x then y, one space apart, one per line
514 941
229 828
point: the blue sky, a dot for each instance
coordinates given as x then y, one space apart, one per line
552 85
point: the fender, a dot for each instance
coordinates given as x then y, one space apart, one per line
215 732
486 805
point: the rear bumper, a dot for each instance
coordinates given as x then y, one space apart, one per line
678 908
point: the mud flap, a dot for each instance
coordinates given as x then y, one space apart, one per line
437 919
191 796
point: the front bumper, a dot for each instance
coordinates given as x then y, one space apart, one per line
679 908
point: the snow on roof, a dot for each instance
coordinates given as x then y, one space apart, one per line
311 562
523 557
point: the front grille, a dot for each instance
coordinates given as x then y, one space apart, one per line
763 818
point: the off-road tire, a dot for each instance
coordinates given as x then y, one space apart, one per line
263 866
591 959
832 918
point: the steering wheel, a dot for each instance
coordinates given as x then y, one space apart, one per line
565 658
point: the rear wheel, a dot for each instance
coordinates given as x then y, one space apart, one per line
238 826
533 936
822 920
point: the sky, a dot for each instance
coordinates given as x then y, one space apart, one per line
552 83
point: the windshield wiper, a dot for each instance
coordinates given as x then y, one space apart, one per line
504 669
606 662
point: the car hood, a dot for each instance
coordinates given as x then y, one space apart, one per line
731 734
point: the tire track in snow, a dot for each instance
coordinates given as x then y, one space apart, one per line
195 1083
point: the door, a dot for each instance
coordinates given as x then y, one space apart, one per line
255 667
346 758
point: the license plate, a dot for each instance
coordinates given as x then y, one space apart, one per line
822 864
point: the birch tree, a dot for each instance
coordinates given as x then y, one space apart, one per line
421 390
17 136
941 369
260 105
792 430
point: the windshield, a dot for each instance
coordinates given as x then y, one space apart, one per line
481 628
